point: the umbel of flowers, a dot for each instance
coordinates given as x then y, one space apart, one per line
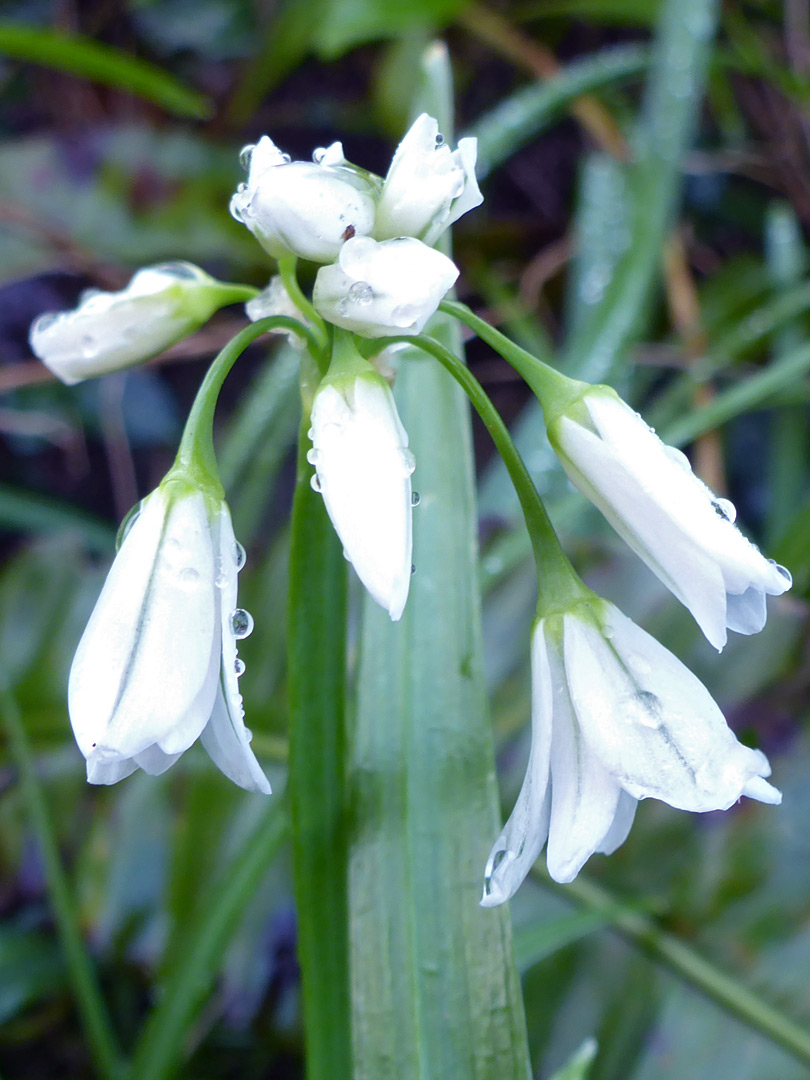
616 718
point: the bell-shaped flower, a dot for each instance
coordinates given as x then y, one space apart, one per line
379 289
615 718
304 208
157 666
650 495
428 186
275 300
109 331
363 470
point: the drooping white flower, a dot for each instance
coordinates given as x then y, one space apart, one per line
363 470
157 667
650 495
377 289
615 718
304 208
428 186
109 331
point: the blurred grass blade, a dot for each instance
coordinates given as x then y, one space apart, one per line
316 785
25 511
89 59
537 941
671 105
578 1066
434 990
162 1037
523 115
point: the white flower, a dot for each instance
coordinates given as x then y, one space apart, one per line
650 495
157 667
275 300
378 289
304 208
363 470
428 186
110 331
615 718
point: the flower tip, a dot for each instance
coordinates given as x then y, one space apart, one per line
501 876
758 788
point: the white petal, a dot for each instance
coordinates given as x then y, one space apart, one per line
108 772
143 671
651 722
153 760
364 472
517 848
622 823
225 737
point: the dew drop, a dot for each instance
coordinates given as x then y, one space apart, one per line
240 188
678 457
408 461
782 571
126 525
221 580
314 457
241 623
245 156
285 159
724 509
319 154
239 667
311 434
413 568
45 322
178 269
315 482
643 708
189 578
440 139
361 293
607 633
416 498
239 555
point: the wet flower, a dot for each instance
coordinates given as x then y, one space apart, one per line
157 666
615 718
304 208
378 289
113 330
428 186
363 470
650 495
275 300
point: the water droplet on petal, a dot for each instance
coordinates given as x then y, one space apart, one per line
678 457
440 139
408 461
416 498
239 667
724 509
221 580
783 572
643 708
241 623
311 433
319 154
126 525
189 578
315 482
245 156
361 293
239 555
413 568
314 456
285 159
45 322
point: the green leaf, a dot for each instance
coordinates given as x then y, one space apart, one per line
534 942
89 59
578 1066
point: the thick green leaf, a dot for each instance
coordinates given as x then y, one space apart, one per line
93 60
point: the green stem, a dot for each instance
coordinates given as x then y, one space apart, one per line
685 961
287 269
89 998
560 584
160 1043
196 452
554 390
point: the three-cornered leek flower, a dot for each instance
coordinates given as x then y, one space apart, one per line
304 208
615 718
157 666
428 186
378 289
109 331
363 470
650 495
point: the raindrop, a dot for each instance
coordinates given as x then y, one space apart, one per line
361 293
245 155
239 667
724 509
440 139
319 154
241 623
643 708
315 482
182 270
413 568
239 555
607 632
240 188
126 525
416 498
311 433
408 461
189 578
678 457
783 572
314 457
285 159
221 580
45 322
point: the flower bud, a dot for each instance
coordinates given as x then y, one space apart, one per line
428 186
377 289
304 208
113 330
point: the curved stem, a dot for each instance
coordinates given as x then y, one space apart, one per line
195 454
287 269
554 390
89 998
560 584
